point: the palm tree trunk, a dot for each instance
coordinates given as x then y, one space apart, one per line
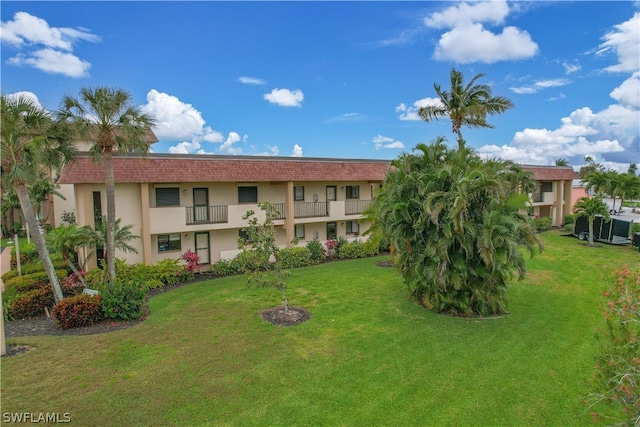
591 219
38 239
461 141
110 188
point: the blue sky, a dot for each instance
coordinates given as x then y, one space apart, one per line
343 79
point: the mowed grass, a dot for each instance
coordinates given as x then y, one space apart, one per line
368 356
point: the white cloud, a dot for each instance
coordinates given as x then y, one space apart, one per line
285 97
271 151
493 12
228 146
571 68
469 41
53 61
628 93
251 80
410 113
348 117
625 43
386 142
177 120
43 47
24 94
538 86
297 151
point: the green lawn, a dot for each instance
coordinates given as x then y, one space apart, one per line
368 356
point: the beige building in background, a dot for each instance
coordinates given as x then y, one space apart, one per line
179 202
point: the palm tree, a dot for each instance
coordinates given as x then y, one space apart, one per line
31 141
591 207
627 186
465 105
106 116
65 239
455 224
561 162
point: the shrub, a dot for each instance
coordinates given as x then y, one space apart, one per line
80 310
166 272
9 275
251 261
355 249
72 284
28 254
569 228
224 267
191 258
341 242
331 245
618 370
169 272
123 301
36 267
541 224
635 228
316 250
31 304
294 257
29 282
569 219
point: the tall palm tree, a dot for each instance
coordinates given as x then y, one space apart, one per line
465 105
455 223
32 141
107 117
591 207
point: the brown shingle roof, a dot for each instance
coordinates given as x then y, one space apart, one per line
552 173
204 168
169 168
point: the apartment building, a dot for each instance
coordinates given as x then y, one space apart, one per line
180 202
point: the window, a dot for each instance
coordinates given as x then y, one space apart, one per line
169 242
353 191
298 193
248 194
168 196
332 230
353 227
299 231
546 187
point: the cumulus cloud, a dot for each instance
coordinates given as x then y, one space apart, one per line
251 80
285 97
45 48
25 94
177 120
386 142
410 112
628 93
297 151
467 39
623 42
538 86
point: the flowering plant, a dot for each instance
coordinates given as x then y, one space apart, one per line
331 245
191 258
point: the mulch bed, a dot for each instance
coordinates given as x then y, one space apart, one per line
278 317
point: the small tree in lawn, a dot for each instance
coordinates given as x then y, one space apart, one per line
258 248
591 207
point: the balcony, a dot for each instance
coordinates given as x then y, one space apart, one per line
207 214
355 207
303 209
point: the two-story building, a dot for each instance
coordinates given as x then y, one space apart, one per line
179 202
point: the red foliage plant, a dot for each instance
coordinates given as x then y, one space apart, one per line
81 310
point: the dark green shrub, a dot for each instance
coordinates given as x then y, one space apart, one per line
250 261
28 254
316 250
31 304
169 272
569 227
36 267
123 301
29 282
165 272
80 310
294 257
541 224
341 242
569 219
356 249
224 267
9 275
